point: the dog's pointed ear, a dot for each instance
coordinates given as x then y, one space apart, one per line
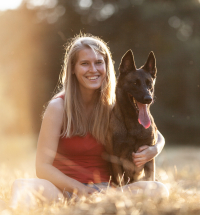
150 65
127 62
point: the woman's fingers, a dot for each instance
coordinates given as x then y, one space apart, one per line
139 161
138 158
141 148
142 161
138 155
143 155
91 190
139 164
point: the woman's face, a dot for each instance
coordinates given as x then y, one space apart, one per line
90 70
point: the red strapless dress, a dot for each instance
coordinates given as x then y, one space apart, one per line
81 158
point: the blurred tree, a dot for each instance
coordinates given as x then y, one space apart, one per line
168 27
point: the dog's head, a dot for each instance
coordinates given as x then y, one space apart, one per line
138 84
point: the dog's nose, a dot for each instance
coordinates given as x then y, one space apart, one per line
148 99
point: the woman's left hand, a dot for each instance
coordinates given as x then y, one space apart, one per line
143 155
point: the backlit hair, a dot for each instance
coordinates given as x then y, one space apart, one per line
74 120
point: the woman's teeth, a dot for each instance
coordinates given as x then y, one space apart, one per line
92 77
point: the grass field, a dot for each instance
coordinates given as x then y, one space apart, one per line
177 167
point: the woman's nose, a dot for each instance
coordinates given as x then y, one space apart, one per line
93 68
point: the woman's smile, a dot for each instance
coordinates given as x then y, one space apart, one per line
93 78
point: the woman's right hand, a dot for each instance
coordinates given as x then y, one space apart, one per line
85 191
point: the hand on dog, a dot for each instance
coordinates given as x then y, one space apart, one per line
143 155
86 191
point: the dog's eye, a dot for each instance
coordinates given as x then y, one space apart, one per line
148 83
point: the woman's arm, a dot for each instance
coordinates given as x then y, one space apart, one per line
146 153
47 147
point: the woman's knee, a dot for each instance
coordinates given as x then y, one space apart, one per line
156 189
18 183
43 186
25 192
149 188
22 183
162 189
31 185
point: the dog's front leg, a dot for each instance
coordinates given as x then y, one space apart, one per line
138 173
117 174
149 169
132 172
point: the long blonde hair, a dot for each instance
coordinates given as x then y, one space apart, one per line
74 120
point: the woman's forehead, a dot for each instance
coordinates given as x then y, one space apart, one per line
88 53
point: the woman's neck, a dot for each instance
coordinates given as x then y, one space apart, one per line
88 98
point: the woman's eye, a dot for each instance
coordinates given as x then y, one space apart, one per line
84 63
99 62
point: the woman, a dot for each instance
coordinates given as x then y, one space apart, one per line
73 131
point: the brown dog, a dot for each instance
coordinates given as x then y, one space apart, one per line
131 124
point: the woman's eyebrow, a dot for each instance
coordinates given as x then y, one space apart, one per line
83 60
97 59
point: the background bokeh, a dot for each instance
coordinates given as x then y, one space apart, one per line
32 38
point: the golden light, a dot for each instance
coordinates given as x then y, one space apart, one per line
10 4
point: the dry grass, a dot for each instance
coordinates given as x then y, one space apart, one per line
178 168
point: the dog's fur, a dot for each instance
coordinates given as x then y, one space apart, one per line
127 130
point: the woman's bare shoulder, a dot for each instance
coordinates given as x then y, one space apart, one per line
55 108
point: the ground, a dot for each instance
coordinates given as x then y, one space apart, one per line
177 167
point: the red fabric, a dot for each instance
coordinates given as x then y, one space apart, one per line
81 158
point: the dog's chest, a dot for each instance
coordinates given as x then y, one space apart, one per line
132 139
139 132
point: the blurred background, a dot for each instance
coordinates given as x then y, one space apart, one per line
32 38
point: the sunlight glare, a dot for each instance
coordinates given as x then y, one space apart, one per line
10 4
107 11
85 3
31 4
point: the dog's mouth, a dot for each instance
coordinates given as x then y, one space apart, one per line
141 110
133 102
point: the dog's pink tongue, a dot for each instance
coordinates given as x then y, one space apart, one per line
143 117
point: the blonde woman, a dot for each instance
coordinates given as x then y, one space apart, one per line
72 135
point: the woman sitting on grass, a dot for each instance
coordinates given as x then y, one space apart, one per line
73 131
